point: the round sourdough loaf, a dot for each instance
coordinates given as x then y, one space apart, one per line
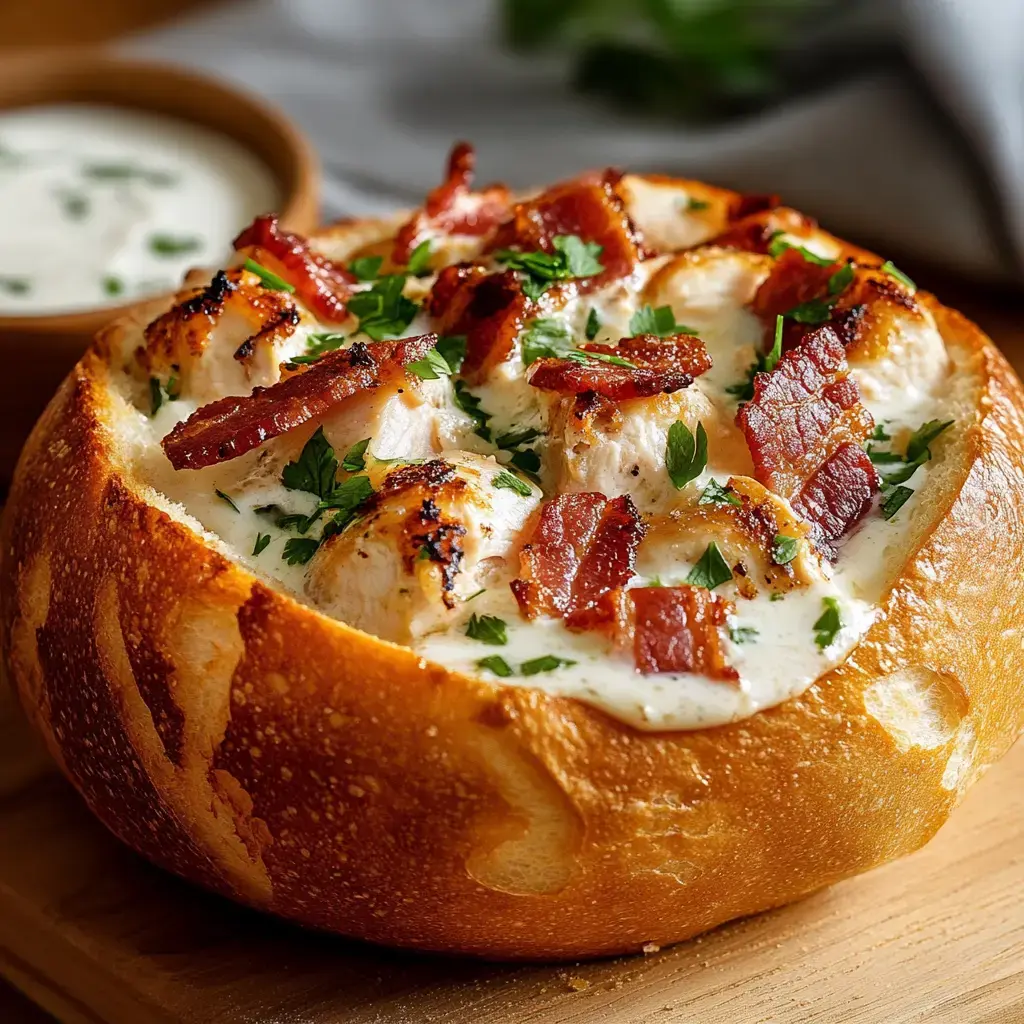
244 741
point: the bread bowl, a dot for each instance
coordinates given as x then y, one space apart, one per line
324 741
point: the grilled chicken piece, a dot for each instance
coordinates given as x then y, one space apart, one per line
225 338
433 535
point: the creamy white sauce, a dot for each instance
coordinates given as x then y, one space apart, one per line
771 643
103 205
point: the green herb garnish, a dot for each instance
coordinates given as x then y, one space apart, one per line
697 205
262 540
112 285
488 629
711 570
268 278
453 349
470 405
383 310
129 172
547 338
431 367
660 321
299 550
894 500
75 205
174 245
495 663
15 285
355 457
778 245
315 469
419 259
514 438
763 363
890 268
742 634
226 498
509 481
784 549
593 324
526 461
829 624
366 268
572 258
685 455
545 663
715 494
817 311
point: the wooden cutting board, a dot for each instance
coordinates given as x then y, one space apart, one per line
93 933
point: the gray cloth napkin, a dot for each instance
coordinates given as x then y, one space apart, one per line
929 164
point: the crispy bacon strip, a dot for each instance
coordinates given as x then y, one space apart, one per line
588 207
453 208
792 281
662 366
489 309
582 552
234 425
322 285
800 425
679 629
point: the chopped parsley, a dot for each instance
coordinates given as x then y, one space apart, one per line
778 245
895 498
879 433
129 172
890 268
174 245
742 634
452 348
711 570
431 367
355 457
828 625
15 285
697 205
419 259
685 455
227 498
917 454
262 540
547 338
593 324
514 438
366 268
470 405
315 469
112 285
716 494
383 310
921 438
784 549
268 278
510 482
318 344
497 664
744 391
572 258
299 550
660 321
158 392
488 629
545 663
817 311
76 205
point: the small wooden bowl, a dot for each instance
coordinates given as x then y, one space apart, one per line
39 350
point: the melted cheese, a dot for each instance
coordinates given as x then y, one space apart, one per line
772 642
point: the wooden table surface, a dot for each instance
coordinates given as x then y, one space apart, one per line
50 22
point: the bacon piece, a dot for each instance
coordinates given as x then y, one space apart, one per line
589 208
799 425
756 202
453 208
322 285
234 425
663 365
582 552
792 281
489 309
679 629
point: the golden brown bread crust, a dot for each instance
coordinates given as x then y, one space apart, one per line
279 757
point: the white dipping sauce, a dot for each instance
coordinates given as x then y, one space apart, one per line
103 205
